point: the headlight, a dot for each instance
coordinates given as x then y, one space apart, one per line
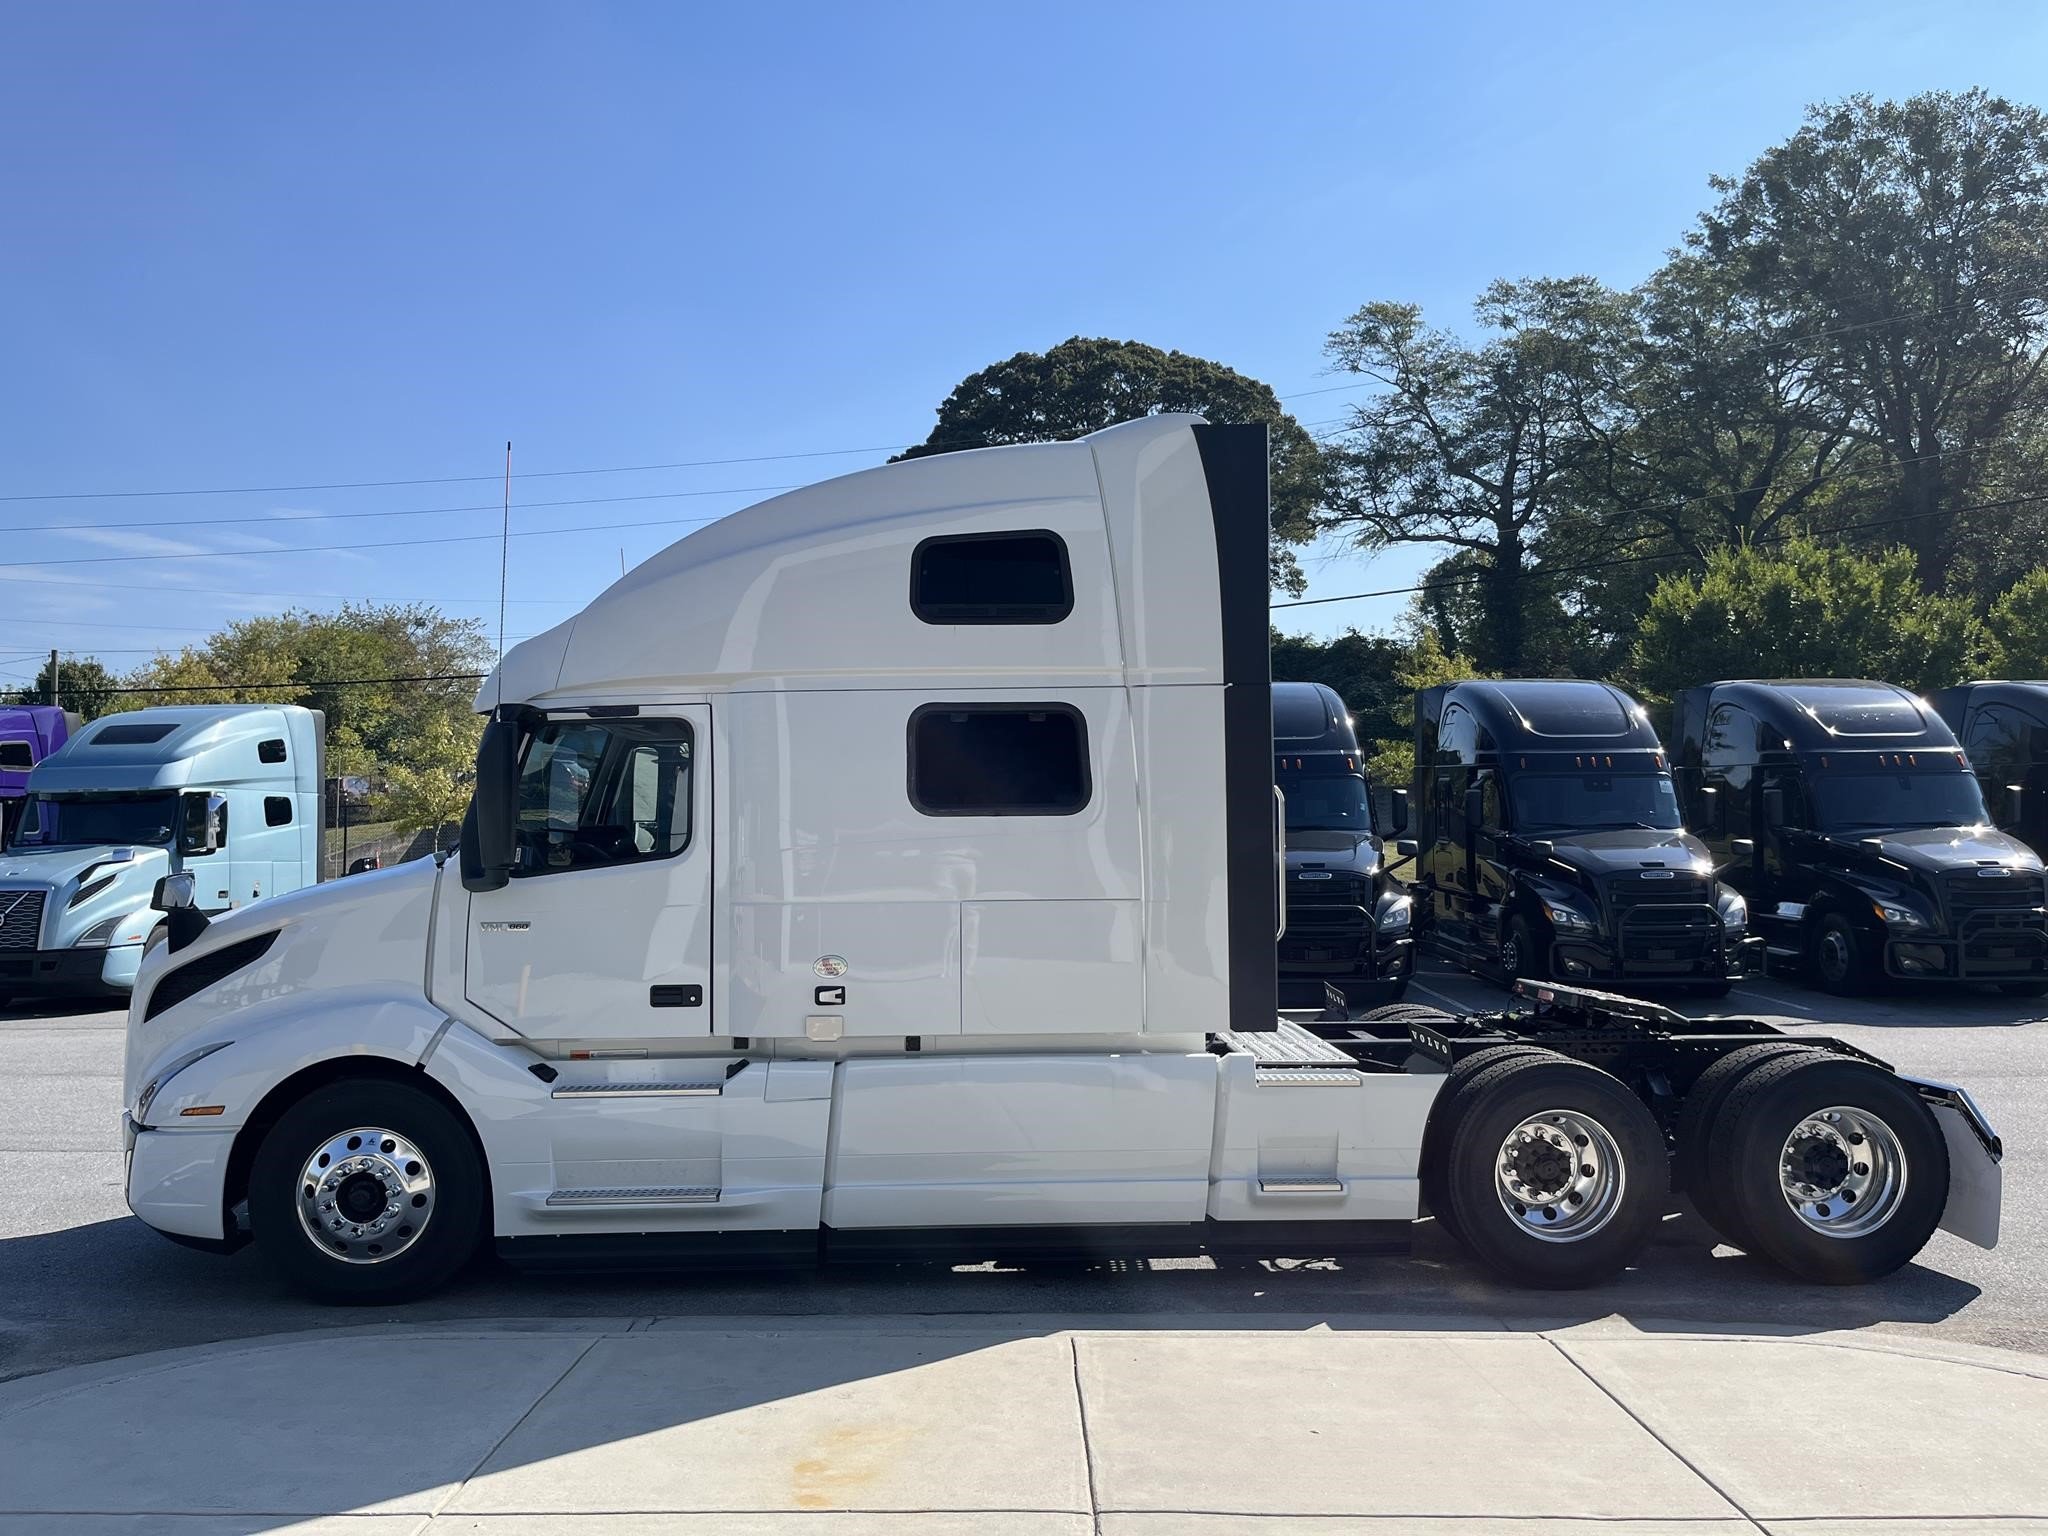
1568 917
1397 916
1734 911
1896 916
101 933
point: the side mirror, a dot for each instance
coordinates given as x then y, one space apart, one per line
1397 809
489 826
1713 810
1774 807
1743 849
2015 804
173 896
1542 847
1407 848
1475 806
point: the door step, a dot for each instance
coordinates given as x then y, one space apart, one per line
709 1088
658 1195
1307 1077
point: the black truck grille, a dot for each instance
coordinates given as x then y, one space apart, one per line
1997 920
1669 922
21 920
1969 891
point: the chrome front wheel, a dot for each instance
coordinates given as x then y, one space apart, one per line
366 1195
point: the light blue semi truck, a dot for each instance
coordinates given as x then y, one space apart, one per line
230 793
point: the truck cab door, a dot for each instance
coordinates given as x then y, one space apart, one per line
603 931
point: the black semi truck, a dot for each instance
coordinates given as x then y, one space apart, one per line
2003 727
1347 918
1548 843
1847 814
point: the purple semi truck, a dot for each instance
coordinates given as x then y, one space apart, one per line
28 734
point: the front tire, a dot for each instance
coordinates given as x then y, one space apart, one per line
1557 1172
1522 955
367 1192
1832 1168
1842 961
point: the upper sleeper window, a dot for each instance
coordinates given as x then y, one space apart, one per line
998 760
992 578
132 735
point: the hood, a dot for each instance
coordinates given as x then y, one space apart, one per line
1356 851
1626 850
53 866
1933 850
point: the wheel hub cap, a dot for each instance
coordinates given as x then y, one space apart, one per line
1843 1172
365 1196
1559 1176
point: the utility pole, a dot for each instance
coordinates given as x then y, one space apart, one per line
53 676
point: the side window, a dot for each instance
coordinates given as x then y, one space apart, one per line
1458 738
992 578
1447 807
1490 814
1732 736
277 810
998 760
271 751
595 793
1996 746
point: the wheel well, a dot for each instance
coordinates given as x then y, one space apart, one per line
340 1069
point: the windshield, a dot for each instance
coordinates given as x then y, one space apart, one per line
1862 801
1338 803
131 819
1584 802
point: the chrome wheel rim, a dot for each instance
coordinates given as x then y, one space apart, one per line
1560 1176
1842 1171
1510 955
1834 954
365 1196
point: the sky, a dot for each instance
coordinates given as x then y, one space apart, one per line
262 254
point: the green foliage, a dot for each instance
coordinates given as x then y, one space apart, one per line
295 658
2017 628
427 785
1805 610
83 685
1087 383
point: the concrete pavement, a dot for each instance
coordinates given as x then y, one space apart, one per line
923 1426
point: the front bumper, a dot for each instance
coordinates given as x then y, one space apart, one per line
1341 943
108 971
1588 958
1991 947
176 1181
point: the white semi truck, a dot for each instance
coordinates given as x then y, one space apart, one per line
890 869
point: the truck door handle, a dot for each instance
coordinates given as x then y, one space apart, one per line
688 995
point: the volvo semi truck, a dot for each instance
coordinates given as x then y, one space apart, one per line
1549 844
28 734
891 870
1347 918
1847 815
227 793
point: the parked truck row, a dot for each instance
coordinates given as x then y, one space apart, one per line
896 869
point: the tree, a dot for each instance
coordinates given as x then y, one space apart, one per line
1804 610
316 659
1087 383
1475 447
1362 668
427 786
82 685
1392 761
2017 627
1904 246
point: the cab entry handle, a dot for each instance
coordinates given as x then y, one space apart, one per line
1280 861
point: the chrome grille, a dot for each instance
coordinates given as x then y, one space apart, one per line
21 920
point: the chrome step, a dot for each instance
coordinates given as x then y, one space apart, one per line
1301 1186
1307 1077
663 1195
698 1090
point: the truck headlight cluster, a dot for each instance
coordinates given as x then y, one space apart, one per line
1734 911
1567 918
101 933
1397 916
1897 916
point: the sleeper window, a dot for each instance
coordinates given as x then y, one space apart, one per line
998 760
277 810
593 793
992 578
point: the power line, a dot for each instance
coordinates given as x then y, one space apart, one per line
273 519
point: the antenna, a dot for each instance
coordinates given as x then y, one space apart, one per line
504 570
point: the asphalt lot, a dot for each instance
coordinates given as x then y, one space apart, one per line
81 1280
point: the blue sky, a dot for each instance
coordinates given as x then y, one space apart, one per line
285 246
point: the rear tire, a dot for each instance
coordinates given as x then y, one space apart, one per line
1696 1118
1841 957
1443 1118
1834 1169
407 1203
1405 1013
1557 1172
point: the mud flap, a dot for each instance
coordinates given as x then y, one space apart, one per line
1975 1180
